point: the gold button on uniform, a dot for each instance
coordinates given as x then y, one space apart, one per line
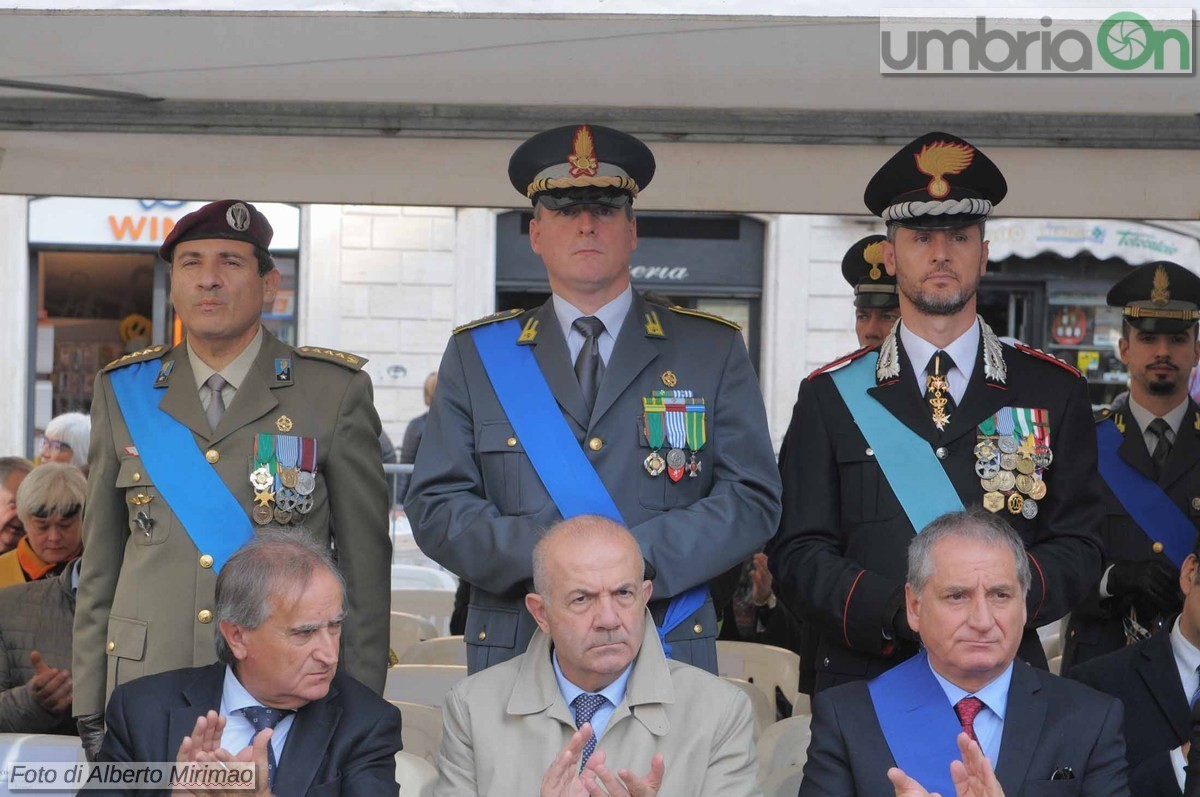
511 442
212 455
204 616
595 444
1157 547
112 646
137 477
698 628
482 635
1196 503
206 561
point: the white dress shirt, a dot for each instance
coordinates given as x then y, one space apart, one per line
612 314
962 350
238 730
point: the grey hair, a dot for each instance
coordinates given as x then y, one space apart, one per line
278 562
10 464
55 489
974 524
580 526
74 429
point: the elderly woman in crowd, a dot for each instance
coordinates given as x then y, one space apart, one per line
66 439
50 506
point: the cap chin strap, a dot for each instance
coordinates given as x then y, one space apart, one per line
912 210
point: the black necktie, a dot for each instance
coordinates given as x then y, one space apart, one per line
260 718
1162 448
589 368
937 388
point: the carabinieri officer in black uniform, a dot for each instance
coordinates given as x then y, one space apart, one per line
876 297
941 416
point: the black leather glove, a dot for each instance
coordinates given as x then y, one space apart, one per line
1152 583
91 733
900 626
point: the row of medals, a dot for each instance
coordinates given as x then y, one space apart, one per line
294 499
1011 474
675 464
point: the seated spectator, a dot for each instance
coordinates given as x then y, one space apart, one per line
920 726
13 471
275 695
35 642
66 439
646 725
50 505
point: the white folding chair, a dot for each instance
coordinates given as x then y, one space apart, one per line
783 745
426 684
442 650
783 782
802 706
421 729
407 630
764 709
415 775
417 577
435 605
34 748
765 666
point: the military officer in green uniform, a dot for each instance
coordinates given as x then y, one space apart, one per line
193 447
597 402
876 297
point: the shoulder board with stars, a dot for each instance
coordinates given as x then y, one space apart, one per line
841 361
351 361
1050 358
1101 415
152 353
701 314
503 315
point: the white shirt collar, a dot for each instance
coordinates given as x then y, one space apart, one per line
1187 659
994 695
962 350
1143 416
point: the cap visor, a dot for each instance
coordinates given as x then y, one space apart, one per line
558 201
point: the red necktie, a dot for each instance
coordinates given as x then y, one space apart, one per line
967 710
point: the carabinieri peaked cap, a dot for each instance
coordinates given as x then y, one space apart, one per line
581 164
937 182
1161 297
229 218
862 267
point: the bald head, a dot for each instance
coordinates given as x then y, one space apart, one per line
574 535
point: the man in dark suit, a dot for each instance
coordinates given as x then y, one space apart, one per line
275 695
659 423
1157 680
1150 461
941 416
968 574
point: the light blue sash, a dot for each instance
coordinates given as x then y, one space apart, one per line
191 487
918 722
1150 507
552 449
912 470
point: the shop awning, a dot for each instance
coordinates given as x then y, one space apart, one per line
1103 239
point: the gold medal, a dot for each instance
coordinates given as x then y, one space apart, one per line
1008 461
261 515
1038 491
655 464
283 423
993 502
1025 483
282 516
289 477
264 498
1005 480
1015 502
1025 465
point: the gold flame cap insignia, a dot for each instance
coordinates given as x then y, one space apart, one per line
583 158
941 158
1160 294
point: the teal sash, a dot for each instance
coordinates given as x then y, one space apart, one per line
1151 508
208 512
918 722
912 470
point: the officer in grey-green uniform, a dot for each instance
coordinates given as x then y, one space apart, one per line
292 435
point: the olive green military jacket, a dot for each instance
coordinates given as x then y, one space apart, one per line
146 592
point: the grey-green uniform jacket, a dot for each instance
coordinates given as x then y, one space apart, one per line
146 594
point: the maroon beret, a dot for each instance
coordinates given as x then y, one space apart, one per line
228 218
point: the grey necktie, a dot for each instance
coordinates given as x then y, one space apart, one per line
589 368
1161 429
586 705
216 406
260 718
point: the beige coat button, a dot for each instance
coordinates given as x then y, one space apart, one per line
595 444
212 455
137 477
511 442
1157 547
112 646
482 635
697 628
204 616
206 561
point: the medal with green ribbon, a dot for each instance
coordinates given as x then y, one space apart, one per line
262 478
653 413
696 434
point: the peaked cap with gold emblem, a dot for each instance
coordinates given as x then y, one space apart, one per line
1160 297
581 165
862 267
937 182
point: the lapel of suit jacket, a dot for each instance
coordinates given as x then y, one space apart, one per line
181 400
1023 720
1186 450
535 690
307 744
1156 667
630 356
254 398
899 395
201 696
1133 445
554 360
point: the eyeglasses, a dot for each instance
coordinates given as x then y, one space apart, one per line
54 446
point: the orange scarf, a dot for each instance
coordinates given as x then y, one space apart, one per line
32 564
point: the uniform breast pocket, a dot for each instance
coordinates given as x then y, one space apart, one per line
508 477
149 517
866 495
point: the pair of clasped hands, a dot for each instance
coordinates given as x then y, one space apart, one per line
564 779
973 776
204 747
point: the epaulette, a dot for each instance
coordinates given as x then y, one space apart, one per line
701 314
503 315
351 361
1101 415
152 353
841 361
1050 358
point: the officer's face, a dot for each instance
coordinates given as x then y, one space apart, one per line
970 613
217 291
595 609
872 324
290 659
1159 363
586 249
938 271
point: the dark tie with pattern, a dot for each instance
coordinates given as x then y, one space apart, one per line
586 705
216 405
589 368
261 718
937 388
967 710
1161 429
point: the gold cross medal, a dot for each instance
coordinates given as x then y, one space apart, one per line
937 389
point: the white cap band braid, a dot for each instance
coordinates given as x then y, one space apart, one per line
912 210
